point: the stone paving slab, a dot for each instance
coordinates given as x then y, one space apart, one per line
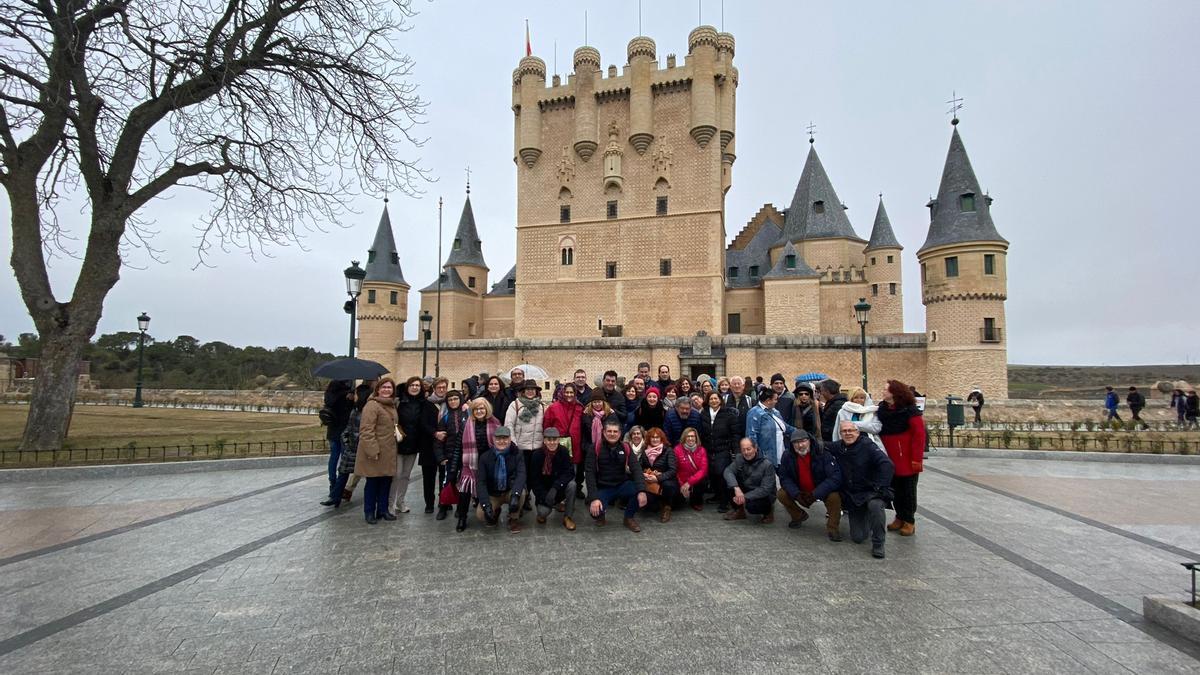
695 595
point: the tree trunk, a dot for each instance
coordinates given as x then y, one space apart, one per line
53 392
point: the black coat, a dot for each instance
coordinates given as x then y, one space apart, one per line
452 422
741 405
866 471
829 431
339 403
417 418
720 435
665 464
562 472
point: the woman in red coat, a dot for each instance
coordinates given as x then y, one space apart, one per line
903 437
565 415
692 472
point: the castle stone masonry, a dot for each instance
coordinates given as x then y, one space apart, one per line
622 254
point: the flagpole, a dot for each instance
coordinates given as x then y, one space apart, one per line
437 350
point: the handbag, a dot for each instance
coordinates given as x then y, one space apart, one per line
654 488
399 434
449 495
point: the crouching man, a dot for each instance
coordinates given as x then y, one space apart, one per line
614 473
553 480
866 484
501 480
808 474
751 477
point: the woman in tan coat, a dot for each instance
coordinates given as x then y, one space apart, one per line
376 458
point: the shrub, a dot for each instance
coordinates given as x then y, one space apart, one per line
1089 424
1006 438
1075 426
1035 442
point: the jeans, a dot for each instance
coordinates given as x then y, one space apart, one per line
338 486
375 496
1112 415
626 491
552 498
905 501
865 520
335 453
404 467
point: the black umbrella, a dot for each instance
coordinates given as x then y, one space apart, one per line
350 368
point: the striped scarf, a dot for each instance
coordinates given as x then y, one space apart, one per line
470 455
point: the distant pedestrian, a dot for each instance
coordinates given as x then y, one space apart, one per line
1111 401
1191 410
975 400
1136 402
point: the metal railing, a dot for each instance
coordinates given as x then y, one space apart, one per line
130 454
990 334
1099 441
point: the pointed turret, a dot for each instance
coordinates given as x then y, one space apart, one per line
882 235
467 249
383 260
816 212
961 212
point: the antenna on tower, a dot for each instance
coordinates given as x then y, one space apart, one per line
812 131
700 12
585 26
956 104
639 17
722 16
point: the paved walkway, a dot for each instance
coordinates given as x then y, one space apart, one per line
1017 567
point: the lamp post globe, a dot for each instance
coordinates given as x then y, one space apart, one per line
426 319
143 323
354 281
862 312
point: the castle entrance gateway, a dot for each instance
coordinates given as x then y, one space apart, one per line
701 358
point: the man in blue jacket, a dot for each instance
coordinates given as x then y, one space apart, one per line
808 474
767 428
679 418
866 484
1111 401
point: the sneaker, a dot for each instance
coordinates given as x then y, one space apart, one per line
569 523
908 529
632 524
404 509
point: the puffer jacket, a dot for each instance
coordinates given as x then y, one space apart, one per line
719 434
566 418
864 418
903 434
756 477
691 467
376 454
664 464
866 471
525 435
350 442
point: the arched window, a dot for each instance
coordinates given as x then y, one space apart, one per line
818 206
568 255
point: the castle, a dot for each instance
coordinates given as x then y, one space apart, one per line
621 253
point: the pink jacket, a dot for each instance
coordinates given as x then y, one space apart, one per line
692 467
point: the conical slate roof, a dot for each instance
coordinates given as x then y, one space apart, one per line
948 222
808 220
782 271
882 235
466 249
451 281
503 287
383 260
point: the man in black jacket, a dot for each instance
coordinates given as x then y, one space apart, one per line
614 473
616 399
500 480
552 480
808 474
832 400
1136 403
866 485
740 400
751 477
787 402
664 378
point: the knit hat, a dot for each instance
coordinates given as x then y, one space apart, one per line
655 390
597 395
777 377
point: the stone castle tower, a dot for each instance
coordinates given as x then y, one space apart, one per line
964 284
621 182
883 276
383 305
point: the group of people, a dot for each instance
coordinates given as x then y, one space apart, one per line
1185 404
651 446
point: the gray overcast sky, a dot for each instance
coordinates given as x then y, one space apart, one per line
1079 119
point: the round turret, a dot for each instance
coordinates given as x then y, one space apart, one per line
530 79
585 57
725 43
641 46
702 35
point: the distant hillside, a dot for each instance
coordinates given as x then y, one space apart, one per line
1089 381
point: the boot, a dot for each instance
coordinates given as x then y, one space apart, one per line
769 517
601 521
665 516
908 529
632 524
443 511
737 514
895 525
877 552
462 524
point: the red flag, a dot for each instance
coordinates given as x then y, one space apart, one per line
528 45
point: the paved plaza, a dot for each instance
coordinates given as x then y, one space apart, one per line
1018 566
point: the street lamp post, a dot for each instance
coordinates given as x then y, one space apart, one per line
143 326
426 318
354 281
861 312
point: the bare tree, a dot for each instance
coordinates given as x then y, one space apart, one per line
278 108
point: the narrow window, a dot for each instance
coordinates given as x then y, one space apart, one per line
922 272
395 298
660 206
664 267
967 202
471 282
568 255
733 272
990 332
610 270
370 256
874 289
818 207
790 261
952 266
891 289
371 297
564 214
471 328
512 283
612 209
873 261
890 259
735 323
846 275
989 263
754 271
457 243
395 258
